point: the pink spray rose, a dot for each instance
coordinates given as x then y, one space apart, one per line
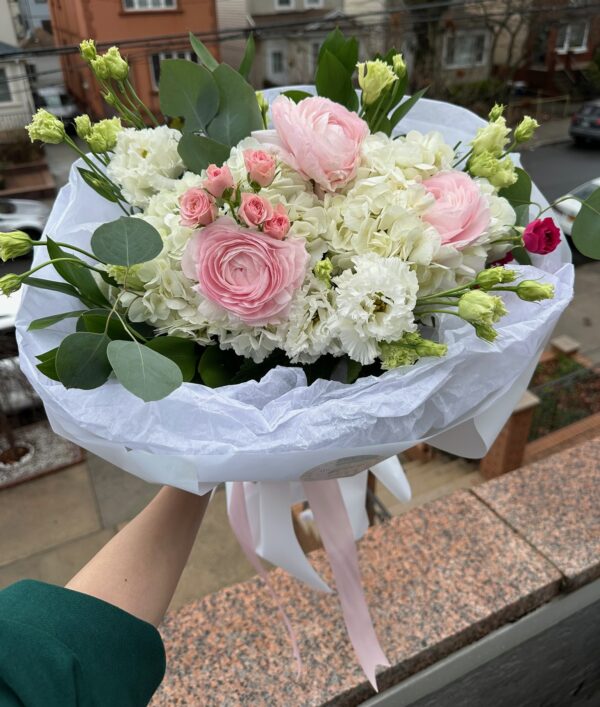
248 273
218 179
279 224
260 166
318 138
254 209
196 208
460 213
541 236
508 258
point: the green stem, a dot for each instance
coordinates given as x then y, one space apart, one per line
438 301
126 114
61 260
437 311
463 158
554 203
129 86
71 247
448 293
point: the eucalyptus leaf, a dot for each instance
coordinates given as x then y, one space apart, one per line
189 91
47 364
333 81
239 113
218 367
45 322
522 212
197 152
203 53
518 193
586 227
126 241
248 58
183 352
145 373
99 321
521 255
77 274
81 360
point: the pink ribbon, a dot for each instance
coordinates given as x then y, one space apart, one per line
331 517
240 524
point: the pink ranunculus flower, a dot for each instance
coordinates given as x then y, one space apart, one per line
248 273
318 138
279 224
541 236
254 209
260 166
460 213
197 208
218 179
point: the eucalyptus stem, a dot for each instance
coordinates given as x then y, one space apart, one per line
554 203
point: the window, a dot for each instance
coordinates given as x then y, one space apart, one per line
465 49
5 94
155 60
572 38
277 62
313 3
284 4
145 5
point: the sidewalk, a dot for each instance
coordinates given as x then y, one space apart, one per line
550 133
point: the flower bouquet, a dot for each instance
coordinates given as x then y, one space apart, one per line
288 289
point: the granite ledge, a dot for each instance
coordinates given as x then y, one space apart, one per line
436 579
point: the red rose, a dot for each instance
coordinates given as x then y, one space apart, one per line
542 236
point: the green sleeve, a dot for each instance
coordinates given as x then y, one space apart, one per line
60 648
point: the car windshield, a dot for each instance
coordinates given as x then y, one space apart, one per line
7 207
590 110
585 190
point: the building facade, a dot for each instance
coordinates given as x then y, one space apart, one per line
147 30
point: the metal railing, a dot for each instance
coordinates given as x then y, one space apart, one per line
14 121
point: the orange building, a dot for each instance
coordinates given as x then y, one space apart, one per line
147 30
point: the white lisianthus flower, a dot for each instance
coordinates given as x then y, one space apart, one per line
375 303
145 162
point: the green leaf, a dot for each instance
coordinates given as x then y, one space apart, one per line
344 50
239 113
248 58
77 275
197 152
189 91
52 319
297 96
334 82
126 241
354 369
145 373
522 212
518 193
403 108
203 53
81 360
42 284
218 367
98 185
183 352
47 364
521 255
95 321
586 227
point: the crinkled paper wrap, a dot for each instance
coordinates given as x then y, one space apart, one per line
280 429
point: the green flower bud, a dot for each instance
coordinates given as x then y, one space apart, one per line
14 244
373 78
109 98
83 125
477 307
486 332
122 273
486 279
525 129
532 291
323 270
46 127
87 49
100 68
399 65
10 283
407 350
103 135
263 106
493 138
496 111
500 173
118 68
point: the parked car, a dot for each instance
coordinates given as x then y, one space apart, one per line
57 101
585 124
567 210
23 215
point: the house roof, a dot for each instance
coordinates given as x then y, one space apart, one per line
37 39
309 20
6 49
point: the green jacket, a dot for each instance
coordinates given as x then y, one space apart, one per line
60 648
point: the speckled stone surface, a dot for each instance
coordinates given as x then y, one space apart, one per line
436 579
555 505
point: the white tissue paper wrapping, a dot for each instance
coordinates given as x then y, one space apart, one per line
279 429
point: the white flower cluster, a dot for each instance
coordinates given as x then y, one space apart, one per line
381 251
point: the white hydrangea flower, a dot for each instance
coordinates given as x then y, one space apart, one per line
145 162
375 303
